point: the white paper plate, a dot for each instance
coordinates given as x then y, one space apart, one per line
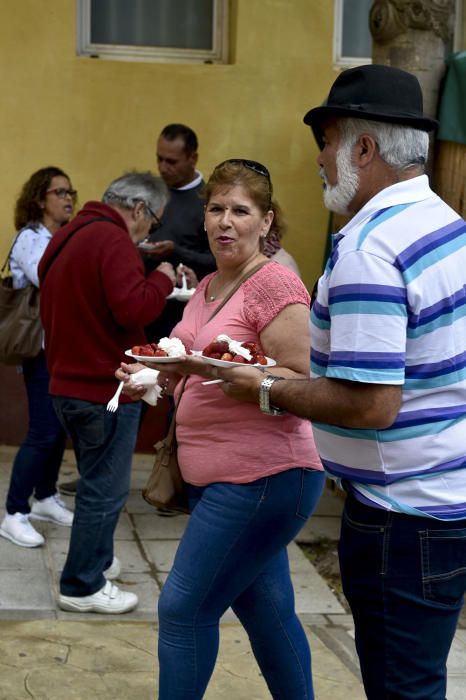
150 358
226 363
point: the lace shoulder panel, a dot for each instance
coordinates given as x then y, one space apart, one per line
269 291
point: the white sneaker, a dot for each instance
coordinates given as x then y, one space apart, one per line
19 530
113 570
52 509
108 600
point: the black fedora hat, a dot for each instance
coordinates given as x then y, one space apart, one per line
374 92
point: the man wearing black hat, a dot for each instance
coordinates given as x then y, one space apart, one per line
387 395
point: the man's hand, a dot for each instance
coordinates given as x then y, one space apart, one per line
242 383
167 269
159 249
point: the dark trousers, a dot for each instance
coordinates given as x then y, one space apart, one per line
404 578
104 444
37 462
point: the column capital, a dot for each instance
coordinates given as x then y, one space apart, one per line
390 18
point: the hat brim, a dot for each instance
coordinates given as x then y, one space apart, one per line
316 117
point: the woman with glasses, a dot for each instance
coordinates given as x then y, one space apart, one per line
45 203
254 476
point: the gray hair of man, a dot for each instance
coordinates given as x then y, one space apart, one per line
399 146
131 188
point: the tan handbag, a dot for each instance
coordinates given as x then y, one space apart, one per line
20 326
165 487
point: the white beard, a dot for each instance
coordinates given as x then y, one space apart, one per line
338 197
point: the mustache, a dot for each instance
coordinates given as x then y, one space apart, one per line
323 177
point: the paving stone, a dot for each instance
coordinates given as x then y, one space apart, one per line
13 557
320 528
26 590
51 654
151 526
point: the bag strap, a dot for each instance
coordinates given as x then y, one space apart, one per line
247 275
65 241
7 259
60 247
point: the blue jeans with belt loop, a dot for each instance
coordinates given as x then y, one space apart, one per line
104 444
233 553
404 578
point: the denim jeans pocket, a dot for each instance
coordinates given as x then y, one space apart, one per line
312 483
443 556
85 422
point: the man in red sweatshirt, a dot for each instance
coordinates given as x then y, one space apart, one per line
95 302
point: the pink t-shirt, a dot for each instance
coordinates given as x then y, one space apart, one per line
219 438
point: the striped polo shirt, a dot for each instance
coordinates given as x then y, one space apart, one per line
391 309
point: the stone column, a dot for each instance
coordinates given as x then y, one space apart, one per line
413 35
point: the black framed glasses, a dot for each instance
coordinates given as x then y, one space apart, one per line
157 223
62 192
250 164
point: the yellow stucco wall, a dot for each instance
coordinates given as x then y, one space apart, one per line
96 118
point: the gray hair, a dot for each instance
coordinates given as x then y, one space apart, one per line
131 188
399 146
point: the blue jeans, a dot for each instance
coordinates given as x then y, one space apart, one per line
404 578
37 462
233 553
104 444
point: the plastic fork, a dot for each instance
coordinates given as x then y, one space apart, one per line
113 403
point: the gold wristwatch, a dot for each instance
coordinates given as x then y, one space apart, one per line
264 396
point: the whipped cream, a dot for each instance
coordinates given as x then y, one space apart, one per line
235 347
172 346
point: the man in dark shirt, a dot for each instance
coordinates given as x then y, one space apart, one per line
180 237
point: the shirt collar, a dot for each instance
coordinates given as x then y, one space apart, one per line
191 185
408 191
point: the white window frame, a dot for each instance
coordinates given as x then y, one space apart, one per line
339 60
121 52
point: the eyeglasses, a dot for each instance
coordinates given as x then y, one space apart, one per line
250 164
62 192
157 223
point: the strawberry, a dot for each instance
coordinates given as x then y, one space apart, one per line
227 356
160 353
207 350
147 351
252 347
260 360
239 358
220 346
215 356
137 349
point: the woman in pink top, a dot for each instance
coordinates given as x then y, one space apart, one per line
254 477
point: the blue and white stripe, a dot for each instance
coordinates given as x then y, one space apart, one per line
391 309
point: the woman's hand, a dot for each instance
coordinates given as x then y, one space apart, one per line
185 364
124 374
189 274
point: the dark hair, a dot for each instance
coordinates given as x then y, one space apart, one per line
258 187
181 131
27 207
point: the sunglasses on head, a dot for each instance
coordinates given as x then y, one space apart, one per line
250 164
